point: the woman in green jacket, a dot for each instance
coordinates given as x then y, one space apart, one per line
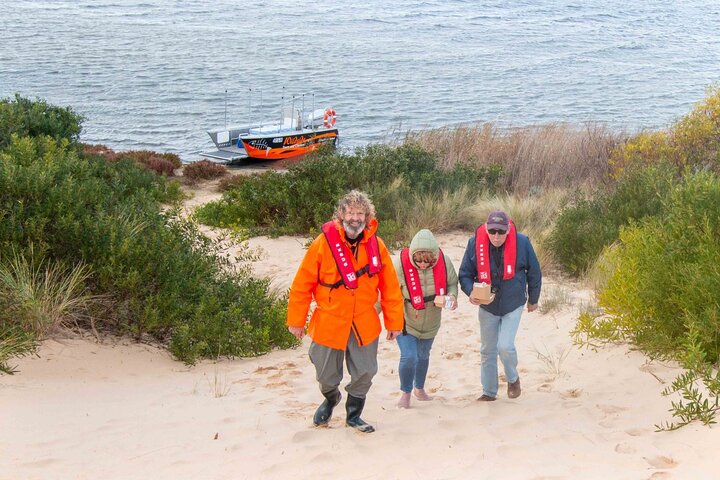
429 283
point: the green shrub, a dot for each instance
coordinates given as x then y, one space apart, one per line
585 227
300 200
663 284
159 275
24 117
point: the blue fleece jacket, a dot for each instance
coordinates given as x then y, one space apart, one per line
509 294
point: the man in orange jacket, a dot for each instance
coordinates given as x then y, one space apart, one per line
344 269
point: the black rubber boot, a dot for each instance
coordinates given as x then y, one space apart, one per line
354 407
324 411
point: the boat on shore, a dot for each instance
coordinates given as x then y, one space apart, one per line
296 134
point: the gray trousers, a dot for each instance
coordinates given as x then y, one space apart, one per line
361 364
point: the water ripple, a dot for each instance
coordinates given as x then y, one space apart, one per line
154 74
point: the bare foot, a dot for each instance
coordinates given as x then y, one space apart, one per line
421 395
404 401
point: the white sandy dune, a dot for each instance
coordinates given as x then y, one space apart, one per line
83 410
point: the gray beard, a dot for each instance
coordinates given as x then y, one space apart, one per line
353 232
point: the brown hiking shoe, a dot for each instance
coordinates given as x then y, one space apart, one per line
514 389
486 398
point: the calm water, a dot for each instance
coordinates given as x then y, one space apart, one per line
153 74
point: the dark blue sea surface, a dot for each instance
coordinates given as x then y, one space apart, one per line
153 74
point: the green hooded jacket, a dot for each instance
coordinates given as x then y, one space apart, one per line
424 324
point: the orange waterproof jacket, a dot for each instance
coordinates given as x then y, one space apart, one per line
340 310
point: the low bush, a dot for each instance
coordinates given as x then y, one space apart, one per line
158 274
24 117
160 166
693 142
589 224
300 200
661 289
145 157
204 170
160 163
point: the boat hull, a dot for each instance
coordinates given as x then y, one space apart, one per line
282 145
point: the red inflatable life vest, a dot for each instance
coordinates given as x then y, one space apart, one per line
482 254
413 282
343 257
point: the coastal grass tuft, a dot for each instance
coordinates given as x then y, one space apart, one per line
42 297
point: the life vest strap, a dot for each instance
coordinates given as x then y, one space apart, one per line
359 273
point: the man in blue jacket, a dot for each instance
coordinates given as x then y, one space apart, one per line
500 256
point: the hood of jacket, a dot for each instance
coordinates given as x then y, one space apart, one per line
424 241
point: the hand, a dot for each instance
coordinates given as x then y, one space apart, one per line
393 334
455 304
299 332
532 307
476 301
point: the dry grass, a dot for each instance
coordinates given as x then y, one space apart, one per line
553 362
554 299
218 385
440 212
544 156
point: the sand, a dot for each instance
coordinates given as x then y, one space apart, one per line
121 410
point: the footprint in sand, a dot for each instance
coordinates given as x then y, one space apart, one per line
637 432
280 384
610 409
545 387
624 448
659 476
453 355
572 393
265 369
661 461
296 409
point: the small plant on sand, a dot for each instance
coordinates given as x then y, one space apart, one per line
554 299
218 385
14 342
552 361
699 387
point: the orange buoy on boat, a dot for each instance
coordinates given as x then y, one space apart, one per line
330 118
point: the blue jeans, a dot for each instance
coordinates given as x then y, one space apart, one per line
497 337
414 361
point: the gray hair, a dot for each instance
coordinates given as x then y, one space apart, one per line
354 199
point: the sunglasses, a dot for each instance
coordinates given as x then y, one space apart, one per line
424 261
493 231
